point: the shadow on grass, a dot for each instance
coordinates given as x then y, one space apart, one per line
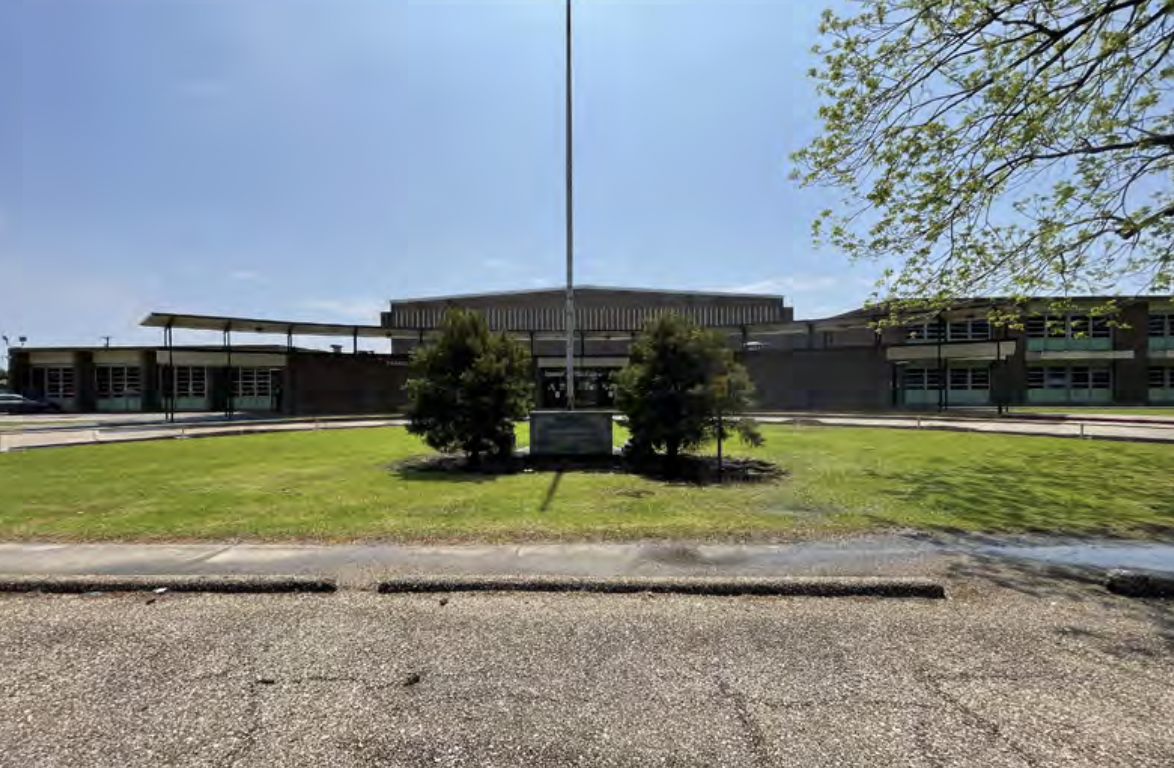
551 491
688 470
1036 498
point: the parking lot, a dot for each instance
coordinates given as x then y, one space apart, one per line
1013 670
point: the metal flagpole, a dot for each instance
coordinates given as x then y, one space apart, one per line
570 221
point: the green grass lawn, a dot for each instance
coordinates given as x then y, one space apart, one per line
1093 410
337 485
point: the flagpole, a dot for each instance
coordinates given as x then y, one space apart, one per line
570 222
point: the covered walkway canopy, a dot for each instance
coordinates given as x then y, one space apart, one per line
254 325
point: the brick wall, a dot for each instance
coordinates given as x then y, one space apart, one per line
326 383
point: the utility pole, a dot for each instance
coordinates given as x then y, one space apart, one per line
570 222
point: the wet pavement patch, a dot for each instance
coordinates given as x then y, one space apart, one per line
1131 584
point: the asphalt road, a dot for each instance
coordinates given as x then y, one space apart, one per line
1013 671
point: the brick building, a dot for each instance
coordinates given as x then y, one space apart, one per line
954 359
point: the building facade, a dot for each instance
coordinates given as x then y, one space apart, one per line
953 359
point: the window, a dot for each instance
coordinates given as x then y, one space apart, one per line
1055 378
117 381
252 382
190 381
1074 377
54 382
1068 326
931 331
922 378
980 378
1161 377
969 330
1161 325
958 330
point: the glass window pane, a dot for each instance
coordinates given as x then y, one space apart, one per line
1056 378
1035 378
960 378
1157 377
1036 327
980 378
1102 378
1158 325
933 378
1080 377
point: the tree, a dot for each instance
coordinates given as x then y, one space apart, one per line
468 389
678 379
1009 147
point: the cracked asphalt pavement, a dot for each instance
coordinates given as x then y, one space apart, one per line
1015 670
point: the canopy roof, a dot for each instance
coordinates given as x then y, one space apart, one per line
254 325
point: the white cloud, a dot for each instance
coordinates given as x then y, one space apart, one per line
355 309
789 284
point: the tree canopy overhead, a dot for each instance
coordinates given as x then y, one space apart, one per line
1007 147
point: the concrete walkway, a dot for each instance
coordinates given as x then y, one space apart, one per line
876 555
872 556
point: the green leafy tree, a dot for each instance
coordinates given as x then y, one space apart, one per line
1010 147
678 379
467 390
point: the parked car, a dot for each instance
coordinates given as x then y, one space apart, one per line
11 402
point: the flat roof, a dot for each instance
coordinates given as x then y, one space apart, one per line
588 288
256 325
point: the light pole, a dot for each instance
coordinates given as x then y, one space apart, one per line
570 221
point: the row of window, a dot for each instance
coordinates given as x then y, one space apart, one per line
959 330
1038 377
1067 326
1162 377
115 381
1039 327
1069 377
959 378
1161 325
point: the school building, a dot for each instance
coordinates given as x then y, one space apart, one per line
948 360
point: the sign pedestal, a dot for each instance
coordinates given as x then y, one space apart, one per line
571 433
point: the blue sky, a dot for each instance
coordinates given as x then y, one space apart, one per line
313 160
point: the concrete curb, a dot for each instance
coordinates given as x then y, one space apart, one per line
220 584
780 587
1133 584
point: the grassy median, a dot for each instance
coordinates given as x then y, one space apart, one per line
338 485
